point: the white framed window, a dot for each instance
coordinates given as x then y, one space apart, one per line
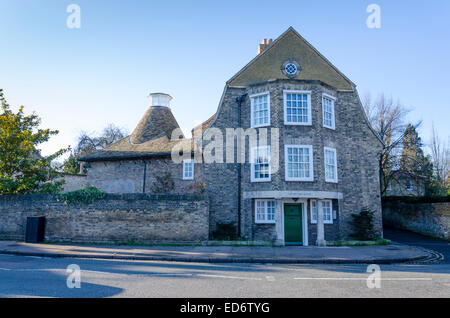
260 109
260 164
410 185
188 169
328 111
265 211
313 211
330 162
327 209
297 107
298 163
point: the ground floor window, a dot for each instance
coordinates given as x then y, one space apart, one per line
327 208
265 211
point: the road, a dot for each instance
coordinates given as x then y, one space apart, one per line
46 277
410 238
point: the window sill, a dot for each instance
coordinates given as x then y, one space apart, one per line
297 124
258 181
259 126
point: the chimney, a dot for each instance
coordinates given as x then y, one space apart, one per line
265 43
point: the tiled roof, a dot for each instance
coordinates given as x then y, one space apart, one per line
157 122
123 149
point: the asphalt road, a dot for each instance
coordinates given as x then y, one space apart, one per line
410 238
47 277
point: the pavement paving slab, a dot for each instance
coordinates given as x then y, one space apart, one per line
386 254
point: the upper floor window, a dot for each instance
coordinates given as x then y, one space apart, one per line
297 107
260 109
260 164
330 164
328 111
188 169
264 211
299 163
410 185
327 210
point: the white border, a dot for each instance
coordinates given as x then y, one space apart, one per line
252 106
308 93
333 117
335 165
311 163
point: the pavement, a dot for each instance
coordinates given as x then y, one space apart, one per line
387 254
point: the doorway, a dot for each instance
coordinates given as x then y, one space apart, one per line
293 223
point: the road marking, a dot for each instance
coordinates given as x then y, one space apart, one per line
270 278
358 278
231 277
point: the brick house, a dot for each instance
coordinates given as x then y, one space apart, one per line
314 162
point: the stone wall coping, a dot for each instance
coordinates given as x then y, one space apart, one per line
113 196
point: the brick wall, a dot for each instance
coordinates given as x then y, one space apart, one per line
127 176
117 218
426 218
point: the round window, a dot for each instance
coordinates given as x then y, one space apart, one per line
290 68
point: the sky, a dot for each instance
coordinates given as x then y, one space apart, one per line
81 79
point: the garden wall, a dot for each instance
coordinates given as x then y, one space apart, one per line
427 218
116 218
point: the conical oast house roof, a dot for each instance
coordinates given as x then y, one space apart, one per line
158 121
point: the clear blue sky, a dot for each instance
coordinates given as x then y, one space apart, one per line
82 79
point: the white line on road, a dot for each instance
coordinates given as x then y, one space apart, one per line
358 278
232 277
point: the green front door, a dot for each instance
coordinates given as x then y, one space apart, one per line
293 234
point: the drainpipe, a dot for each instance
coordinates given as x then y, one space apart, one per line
239 101
145 176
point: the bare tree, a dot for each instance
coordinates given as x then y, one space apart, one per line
88 143
388 120
440 153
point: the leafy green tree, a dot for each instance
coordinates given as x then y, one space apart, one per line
71 165
412 160
22 168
